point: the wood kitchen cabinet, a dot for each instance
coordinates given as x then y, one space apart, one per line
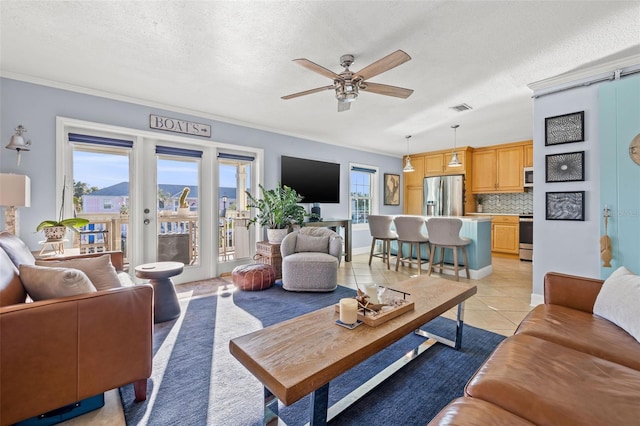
413 186
437 163
505 234
498 169
528 155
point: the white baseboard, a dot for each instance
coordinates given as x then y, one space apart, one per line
537 299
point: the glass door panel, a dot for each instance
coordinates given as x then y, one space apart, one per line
178 234
234 241
101 195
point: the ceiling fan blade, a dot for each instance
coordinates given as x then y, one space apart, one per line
344 106
308 92
390 61
384 89
317 68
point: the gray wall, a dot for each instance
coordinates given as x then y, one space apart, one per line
36 107
566 246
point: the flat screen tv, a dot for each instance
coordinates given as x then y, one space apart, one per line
316 181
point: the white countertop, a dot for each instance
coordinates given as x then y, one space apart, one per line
498 214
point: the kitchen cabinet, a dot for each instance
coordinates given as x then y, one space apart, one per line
505 234
416 177
528 155
436 164
413 200
497 169
413 186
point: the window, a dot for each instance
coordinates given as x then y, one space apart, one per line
107 204
362 192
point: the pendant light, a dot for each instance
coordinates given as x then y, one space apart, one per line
408 168
454 155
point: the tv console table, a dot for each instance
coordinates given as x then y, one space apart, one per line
334 223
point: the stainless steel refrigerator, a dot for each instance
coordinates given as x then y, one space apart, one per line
443 196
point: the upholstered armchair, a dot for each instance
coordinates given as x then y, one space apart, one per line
310 259
62 350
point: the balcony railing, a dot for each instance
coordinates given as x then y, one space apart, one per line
178 236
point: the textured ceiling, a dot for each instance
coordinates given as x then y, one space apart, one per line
232 60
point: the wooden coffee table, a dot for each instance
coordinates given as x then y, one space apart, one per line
301 356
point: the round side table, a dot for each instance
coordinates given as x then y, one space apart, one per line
165 300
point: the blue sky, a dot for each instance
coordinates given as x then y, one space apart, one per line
102 170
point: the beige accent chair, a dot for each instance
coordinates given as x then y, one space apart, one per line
310 259
411 230
380 228
444 233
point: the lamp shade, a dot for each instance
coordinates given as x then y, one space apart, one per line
15 190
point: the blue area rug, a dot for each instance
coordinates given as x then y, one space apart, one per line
196 381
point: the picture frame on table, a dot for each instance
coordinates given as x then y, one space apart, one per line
567 205
566 128
566 167
391 189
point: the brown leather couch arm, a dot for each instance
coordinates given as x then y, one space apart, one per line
571 291
117 259
59 351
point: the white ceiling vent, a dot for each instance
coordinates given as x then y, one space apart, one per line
461 107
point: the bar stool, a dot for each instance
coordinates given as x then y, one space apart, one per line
445 234
411 230
380 228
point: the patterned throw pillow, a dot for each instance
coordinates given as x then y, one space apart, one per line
99 270
44 283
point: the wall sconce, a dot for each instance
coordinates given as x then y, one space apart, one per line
16 192
18 142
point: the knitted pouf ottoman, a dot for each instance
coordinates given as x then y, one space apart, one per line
256 276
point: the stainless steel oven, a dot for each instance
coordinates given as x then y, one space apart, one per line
526 237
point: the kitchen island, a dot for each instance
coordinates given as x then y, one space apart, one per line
476 228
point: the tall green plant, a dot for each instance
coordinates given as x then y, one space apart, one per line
278 208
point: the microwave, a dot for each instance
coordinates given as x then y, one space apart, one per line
528 177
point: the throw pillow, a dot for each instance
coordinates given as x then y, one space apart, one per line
99 270
619 301
44 283
311 243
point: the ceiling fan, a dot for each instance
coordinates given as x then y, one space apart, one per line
348 84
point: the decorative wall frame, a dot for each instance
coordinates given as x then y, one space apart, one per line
567 167
565 205
391 189
565 128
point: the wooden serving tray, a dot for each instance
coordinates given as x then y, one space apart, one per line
381 318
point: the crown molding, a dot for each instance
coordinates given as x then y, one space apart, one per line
584 74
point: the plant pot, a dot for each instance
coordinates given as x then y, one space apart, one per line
275 236
53 233
183 211
478 208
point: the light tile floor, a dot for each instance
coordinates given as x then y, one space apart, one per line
501 303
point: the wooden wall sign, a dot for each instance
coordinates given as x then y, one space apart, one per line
179 126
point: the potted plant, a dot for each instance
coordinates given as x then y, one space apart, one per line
479 201
56 229
278 210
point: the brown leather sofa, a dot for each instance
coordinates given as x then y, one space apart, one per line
563 366
59 351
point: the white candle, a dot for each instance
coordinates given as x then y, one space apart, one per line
348 311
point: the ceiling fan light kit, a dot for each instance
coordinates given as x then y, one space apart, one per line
347 85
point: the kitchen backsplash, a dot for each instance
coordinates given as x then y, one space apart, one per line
508 203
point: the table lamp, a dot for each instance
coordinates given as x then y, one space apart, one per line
15 191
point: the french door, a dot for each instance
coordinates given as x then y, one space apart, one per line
155 198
